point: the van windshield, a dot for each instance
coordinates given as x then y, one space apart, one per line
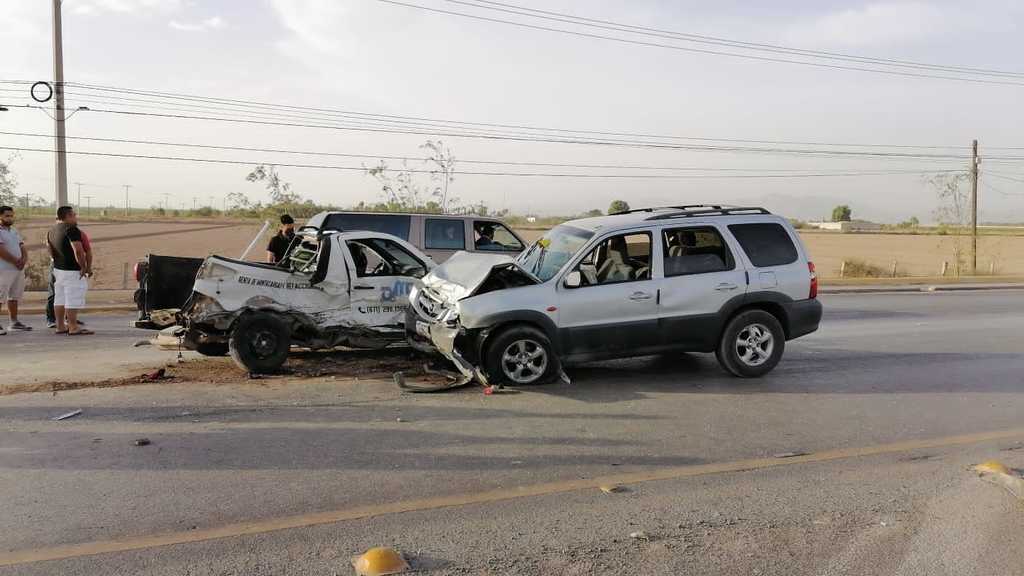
549 253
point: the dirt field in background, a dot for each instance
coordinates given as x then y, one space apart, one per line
118 243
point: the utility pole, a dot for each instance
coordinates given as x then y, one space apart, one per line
88 204
167 202
78 204
127 206
61 166
974 207
194 200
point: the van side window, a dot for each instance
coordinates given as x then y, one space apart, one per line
380 257
695 251
493 236
766 244
394 224
623 258
444 234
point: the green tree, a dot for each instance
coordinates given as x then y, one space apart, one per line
404 191
593 213
841 213
618 206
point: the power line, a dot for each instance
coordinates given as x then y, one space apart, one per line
998 191
395 157
596 142
718 41
397 118
1004 177
519 174
700 50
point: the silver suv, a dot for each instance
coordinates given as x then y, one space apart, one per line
734 281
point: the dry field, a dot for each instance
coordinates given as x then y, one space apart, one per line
120 243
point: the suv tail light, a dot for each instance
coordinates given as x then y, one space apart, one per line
814 280
138 270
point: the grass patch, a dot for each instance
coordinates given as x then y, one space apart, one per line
855 268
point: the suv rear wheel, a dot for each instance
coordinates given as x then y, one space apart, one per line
521 355
752 344
259 342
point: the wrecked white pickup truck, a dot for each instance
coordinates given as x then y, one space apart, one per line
332 289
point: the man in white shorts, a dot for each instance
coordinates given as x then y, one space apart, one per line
71 270
13 259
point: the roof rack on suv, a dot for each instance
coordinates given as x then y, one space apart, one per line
706 210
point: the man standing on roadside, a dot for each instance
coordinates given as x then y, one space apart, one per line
51 318
278 246
13 259
71 271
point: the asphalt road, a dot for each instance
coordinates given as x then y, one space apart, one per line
288 477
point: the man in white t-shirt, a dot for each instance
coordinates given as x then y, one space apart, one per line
13 259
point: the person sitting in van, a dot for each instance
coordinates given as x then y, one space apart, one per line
485 238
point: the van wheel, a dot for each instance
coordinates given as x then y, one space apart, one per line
520 356
259 343
752 344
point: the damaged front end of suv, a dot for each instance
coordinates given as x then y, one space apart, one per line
459 304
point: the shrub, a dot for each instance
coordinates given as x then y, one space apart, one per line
860 269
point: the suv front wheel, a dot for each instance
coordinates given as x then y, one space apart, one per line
752 344
520 355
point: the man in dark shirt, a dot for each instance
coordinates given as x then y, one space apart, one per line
279 243
71 269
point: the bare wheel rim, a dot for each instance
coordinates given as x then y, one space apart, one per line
524 361
754 344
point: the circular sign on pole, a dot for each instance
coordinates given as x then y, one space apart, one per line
48 92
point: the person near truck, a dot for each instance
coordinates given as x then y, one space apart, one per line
279 244
51 318
13 260
71 270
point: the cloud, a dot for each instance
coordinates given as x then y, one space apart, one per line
876 24
214 23
124 6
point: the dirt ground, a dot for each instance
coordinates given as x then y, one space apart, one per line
120 244
333 365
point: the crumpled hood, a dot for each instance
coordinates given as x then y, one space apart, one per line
462 274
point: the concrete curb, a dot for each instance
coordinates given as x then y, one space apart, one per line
918 288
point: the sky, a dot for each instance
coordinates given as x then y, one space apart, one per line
374 57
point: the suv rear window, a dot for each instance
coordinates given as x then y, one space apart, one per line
766 244
393 224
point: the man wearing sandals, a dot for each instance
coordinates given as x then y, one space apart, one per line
13 259
71 270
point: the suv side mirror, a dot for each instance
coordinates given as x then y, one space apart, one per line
573 279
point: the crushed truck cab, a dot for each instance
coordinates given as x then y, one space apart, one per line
332 289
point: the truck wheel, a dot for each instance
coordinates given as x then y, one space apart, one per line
521 355
212 348
752 344
259 343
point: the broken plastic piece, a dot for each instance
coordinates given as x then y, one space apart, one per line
142 442
611 488
991 467
793 454
379 562
641 535
71 414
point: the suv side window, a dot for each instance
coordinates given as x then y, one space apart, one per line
622 258
767 244
444 234
380 257
394 224
495 236
695 251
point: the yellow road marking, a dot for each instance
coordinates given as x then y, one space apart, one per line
433 503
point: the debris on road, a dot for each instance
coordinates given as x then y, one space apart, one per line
379 562
155 375
793 454
999 474
641 535
141 343
71 414
611 488
142 442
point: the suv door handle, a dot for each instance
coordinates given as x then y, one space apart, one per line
640 296
726 286
363 288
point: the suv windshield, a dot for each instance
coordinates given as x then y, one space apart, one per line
548 254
